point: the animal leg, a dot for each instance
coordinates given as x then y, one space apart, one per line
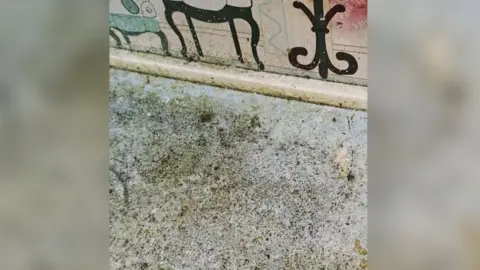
255 39
164 41
116 38
194 35
235 40
169 18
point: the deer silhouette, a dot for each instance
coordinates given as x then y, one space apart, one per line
218 11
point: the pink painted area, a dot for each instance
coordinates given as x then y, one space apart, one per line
354 17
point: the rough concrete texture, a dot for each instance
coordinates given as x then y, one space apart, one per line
209 178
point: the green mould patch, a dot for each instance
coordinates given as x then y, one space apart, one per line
245 124
204 109
192 150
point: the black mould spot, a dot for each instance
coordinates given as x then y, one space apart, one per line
350 176
143 266
206 116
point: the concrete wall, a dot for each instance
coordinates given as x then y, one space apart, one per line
271 35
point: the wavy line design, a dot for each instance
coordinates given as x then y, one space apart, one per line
279 26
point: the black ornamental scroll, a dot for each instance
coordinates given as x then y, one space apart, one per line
319 27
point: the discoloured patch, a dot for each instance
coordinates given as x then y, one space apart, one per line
342 162
219 194
359 249
355 15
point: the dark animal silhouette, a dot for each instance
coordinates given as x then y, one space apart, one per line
226 14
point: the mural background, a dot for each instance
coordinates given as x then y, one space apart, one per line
281 28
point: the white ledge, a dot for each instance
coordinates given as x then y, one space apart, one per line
308 90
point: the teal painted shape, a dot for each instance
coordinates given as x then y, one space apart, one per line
131 6
134 24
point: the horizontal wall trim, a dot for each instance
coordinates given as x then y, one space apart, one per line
289 87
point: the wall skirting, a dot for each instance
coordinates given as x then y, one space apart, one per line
289 87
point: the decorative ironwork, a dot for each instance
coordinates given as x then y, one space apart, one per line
319 27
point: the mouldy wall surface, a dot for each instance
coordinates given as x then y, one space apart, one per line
271 35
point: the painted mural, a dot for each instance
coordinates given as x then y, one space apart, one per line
141 19
221 11
320 39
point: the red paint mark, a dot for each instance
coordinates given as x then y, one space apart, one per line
355 15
